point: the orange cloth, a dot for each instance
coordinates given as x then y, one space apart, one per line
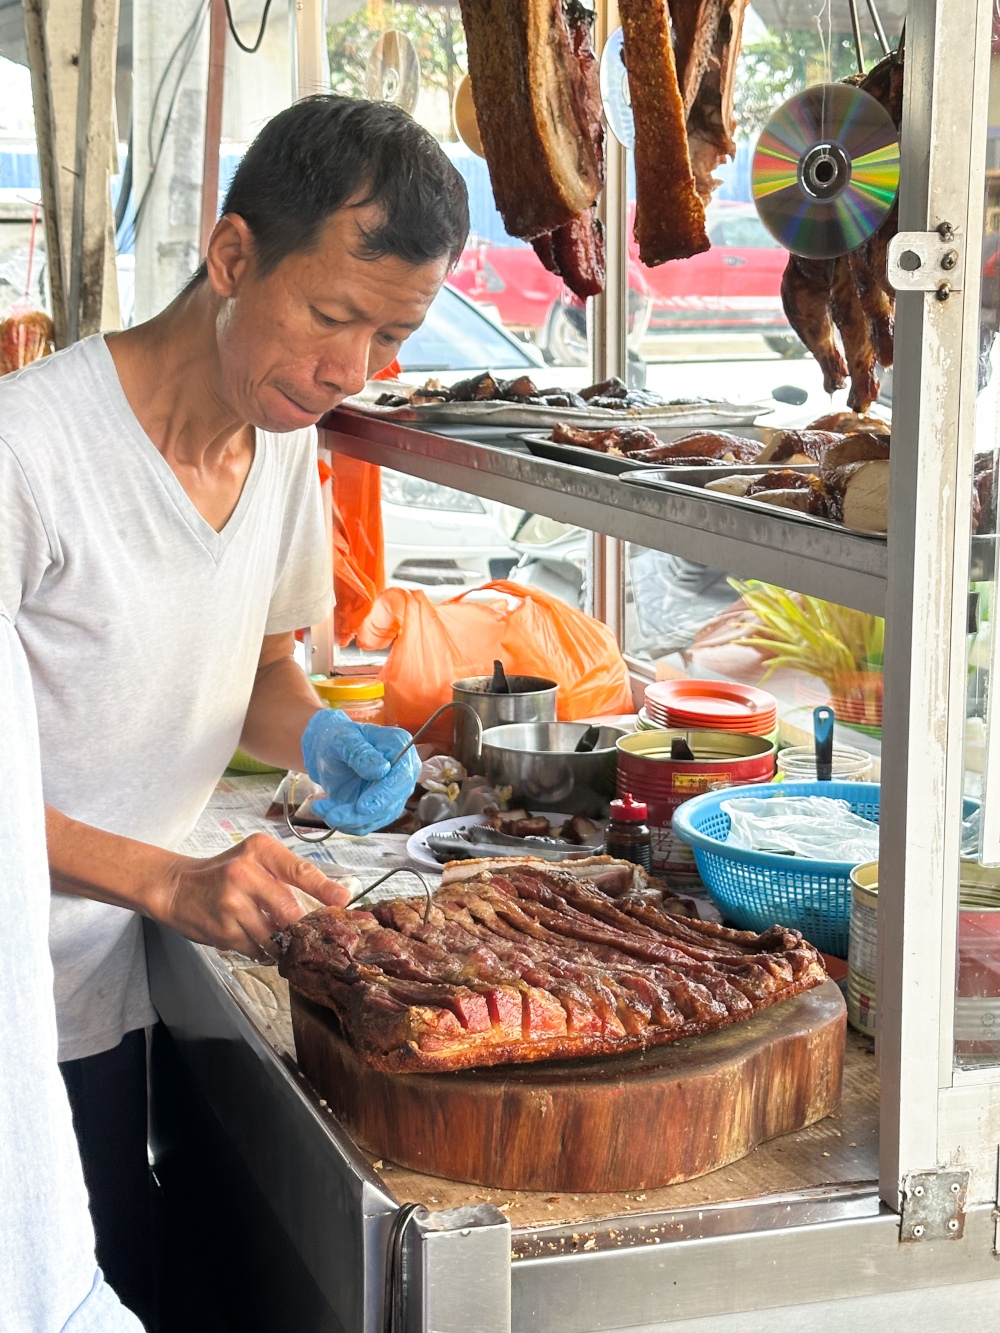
358 551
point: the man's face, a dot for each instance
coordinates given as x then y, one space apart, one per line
295 343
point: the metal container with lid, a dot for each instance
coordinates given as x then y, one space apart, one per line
531 699
647 769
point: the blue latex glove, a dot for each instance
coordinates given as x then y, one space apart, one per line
350 761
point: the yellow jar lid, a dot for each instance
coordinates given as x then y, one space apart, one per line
340 690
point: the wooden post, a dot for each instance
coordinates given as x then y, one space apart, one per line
72 51
91 228
213 120
52 57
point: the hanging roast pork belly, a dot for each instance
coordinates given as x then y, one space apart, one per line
537 95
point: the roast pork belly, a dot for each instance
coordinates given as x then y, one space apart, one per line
669 214
708 97
533 115
520 960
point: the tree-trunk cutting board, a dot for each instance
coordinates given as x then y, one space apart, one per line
622 1122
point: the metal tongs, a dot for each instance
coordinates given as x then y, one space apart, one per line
328 833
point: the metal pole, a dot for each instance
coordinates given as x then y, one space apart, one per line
608 327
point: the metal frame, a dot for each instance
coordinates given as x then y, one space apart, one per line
466 1270
925 1122
839 566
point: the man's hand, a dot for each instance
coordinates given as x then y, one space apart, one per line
238 899
235 900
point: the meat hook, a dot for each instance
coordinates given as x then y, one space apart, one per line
399 870
883 41
856 25
328 833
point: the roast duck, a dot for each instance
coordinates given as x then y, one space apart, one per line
851 295
536 90
516 961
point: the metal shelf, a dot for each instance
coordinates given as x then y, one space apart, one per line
841 567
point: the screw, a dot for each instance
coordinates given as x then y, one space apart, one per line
943 291
949 259
953 1224
945 230
919 1191
918 1231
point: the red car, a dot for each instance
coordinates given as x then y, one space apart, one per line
734 288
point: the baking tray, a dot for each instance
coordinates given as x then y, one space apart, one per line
527 415
542 447
682 481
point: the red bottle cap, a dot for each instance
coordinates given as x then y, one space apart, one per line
628 811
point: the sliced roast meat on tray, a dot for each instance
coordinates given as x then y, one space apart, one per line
522 961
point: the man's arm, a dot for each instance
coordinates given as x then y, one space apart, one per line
235 900
280 707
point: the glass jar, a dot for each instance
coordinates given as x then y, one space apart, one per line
361 698
798 764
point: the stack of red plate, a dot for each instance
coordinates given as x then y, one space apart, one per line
711 705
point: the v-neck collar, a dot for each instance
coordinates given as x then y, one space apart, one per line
215 543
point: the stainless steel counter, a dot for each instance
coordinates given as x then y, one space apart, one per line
806 1251
841 567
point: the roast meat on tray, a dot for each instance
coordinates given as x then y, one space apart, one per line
522 961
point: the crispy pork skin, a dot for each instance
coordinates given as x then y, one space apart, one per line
520 960
669 215
533 107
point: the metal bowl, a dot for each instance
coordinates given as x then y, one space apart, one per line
538 760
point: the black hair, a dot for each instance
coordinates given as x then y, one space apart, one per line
326 152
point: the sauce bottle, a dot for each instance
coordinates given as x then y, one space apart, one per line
628 837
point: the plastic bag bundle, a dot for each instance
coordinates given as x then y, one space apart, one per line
817 827
531 632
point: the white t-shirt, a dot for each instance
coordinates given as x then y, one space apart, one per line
142 626
49 1279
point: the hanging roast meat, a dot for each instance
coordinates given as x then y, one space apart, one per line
537 95
852 293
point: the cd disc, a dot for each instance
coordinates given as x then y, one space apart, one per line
826 170
393 73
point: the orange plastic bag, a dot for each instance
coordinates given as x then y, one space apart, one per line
358 552
530 631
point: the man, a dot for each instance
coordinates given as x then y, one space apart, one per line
49 1279
163 540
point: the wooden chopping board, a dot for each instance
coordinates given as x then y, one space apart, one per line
622 1122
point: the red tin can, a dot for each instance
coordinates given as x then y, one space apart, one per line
647 770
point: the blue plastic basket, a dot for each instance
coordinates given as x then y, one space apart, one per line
755 890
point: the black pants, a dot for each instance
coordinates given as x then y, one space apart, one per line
107 1094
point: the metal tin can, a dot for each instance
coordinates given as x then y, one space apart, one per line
862 947
647 770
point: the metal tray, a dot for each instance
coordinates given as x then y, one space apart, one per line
542 447
495 412
683 481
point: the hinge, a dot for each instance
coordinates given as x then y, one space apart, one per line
934 1205
927 261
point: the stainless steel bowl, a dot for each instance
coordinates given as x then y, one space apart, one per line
531 699
538 760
